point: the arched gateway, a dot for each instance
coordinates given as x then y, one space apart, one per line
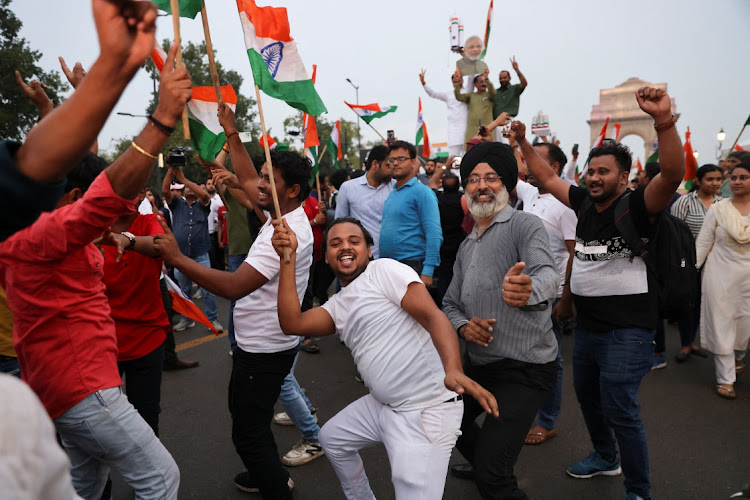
620 106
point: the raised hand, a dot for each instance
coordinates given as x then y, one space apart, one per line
35 90
76 76
655 102
518 131
514 63
478 330
174 91
516 286
456 78
421 76
460 384
283 237
166 244
126 32
226 178
226 118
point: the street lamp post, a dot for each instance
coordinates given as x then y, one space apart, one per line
721 137
359 140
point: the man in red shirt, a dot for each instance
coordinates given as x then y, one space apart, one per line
64 333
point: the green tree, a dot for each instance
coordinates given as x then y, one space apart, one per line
17 113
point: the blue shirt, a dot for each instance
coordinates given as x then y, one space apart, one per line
190 226
411 226
358 199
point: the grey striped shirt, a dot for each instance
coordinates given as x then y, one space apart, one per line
691 209
476 289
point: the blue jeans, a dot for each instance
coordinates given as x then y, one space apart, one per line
234 262
550 409
104 431
607 370
298 407
209 299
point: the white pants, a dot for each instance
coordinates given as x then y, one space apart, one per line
726 371
455 150
419 445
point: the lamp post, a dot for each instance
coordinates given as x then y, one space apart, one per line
356 91
721 137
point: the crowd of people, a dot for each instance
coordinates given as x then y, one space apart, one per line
493 256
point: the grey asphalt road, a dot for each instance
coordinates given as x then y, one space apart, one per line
698 443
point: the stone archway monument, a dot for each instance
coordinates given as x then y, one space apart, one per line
620 106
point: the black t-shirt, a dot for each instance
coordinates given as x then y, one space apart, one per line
451 218
611 291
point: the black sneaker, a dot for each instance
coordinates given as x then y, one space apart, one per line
243 482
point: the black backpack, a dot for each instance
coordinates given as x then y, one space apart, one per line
670 257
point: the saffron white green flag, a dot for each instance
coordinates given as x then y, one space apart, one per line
206 134
277 66
368 112
334 143
422 132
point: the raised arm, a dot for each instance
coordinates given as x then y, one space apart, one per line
166 184
75 77
662 188
35 91
522 79
59 142
459 96
201 193
131 170
313 322
241 161
418 303
539 167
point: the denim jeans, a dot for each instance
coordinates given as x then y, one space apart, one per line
103 431
209 299
253 390
550 409
298 407
607 369
234 262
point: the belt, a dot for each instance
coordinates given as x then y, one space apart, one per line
460 397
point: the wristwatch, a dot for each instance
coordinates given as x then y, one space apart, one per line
131 237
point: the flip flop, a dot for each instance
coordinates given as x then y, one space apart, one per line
310 347
539 436
725 392
739 369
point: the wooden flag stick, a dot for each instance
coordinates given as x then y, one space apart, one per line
317 185
176 24
287 257
736 140
210 51
381 135
320 156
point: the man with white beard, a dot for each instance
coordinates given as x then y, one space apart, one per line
500 302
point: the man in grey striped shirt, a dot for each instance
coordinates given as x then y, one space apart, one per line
505 281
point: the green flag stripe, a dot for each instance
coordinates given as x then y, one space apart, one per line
188 8
379 114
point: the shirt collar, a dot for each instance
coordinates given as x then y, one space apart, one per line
502 216
410 182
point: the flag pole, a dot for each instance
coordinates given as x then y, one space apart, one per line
287 257
317 185
210 51
737 139
175 7
379 134
320 156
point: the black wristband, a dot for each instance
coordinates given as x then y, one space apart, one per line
164 128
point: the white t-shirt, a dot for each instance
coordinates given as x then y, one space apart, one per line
559 221
394 353
256 318
213 217
145 207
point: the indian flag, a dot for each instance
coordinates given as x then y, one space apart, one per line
183 305
422 132
158 55
188 8
597 142
368 112
691 164
312 141
206 133
277 66
654 156
617 132
487 30
334 143
440 149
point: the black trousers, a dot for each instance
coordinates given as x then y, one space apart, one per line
520 389
254 387
170 355
216 254
143 385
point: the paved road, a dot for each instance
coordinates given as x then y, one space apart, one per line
699 443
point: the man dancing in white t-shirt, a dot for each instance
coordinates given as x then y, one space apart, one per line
407 352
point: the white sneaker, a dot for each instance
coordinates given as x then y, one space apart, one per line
302 453
217 325
182 325
198 294
283 419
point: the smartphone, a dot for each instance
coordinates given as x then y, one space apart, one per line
390 137
575 149
456 162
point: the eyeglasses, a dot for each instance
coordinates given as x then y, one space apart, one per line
399 160
488 179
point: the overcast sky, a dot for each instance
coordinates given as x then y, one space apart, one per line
568 51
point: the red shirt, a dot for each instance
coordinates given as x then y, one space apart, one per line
223 218
134 295
64 334
311 210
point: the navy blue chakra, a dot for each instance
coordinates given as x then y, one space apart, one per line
272 55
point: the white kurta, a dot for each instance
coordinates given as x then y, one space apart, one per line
725 306
458 113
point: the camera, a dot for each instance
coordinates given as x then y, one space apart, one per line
176 156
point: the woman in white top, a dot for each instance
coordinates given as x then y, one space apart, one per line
724 246
692 209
